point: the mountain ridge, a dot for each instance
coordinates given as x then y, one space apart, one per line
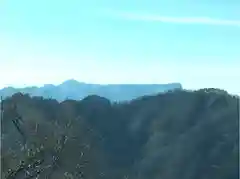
73 89
179 134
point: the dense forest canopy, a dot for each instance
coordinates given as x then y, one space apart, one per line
178 134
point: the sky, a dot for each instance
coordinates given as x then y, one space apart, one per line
195 43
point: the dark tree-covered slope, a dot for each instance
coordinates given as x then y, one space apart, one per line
180 134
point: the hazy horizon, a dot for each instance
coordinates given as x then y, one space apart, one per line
47 42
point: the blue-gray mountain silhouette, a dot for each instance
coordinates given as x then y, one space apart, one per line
72 89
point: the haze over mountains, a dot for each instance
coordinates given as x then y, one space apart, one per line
72 89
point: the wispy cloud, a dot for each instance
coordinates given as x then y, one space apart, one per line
179 20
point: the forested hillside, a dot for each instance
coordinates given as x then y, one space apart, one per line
176 135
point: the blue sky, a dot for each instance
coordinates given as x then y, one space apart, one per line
196 43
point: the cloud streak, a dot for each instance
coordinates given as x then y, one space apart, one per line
178 20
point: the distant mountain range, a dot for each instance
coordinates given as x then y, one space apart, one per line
72 89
